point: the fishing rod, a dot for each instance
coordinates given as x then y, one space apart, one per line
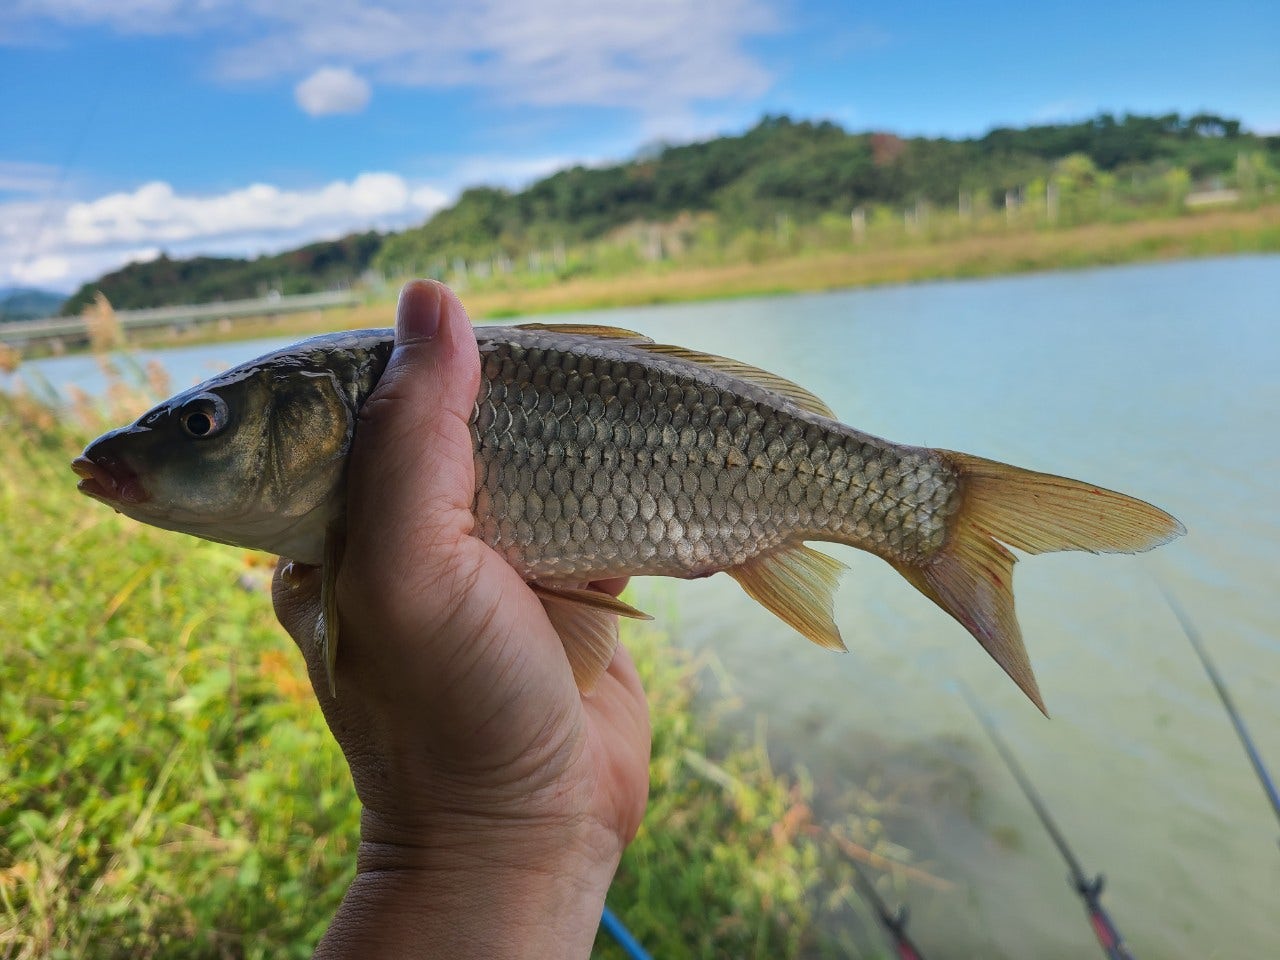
622 936
1254 757
893 921
1089 889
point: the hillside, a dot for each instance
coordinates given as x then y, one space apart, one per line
163 281
776 176
27 303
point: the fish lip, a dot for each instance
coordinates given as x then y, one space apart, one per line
108 480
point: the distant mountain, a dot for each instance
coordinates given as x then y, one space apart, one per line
780 172
165 281
27 303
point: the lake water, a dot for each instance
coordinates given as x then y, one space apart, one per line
1162 381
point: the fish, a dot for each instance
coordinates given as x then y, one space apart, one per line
600 453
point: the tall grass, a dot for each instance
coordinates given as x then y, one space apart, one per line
168 787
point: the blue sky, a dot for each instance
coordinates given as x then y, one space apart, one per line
243 126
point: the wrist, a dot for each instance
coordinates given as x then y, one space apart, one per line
523 891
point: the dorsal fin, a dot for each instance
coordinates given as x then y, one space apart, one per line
797 394
586 330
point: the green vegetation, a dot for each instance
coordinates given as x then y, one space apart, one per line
168 787
782 189
999 250
163 281
731 198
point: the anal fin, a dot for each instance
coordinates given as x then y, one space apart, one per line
796 583
587 622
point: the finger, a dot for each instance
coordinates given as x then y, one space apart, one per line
295 595
412 472
413 443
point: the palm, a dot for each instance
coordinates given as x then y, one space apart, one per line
490 689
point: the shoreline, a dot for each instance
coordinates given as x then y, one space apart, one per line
990 253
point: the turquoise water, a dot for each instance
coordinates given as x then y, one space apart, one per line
1160 381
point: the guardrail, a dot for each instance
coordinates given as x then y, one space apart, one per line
20 333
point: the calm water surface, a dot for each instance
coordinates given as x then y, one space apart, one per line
1160 381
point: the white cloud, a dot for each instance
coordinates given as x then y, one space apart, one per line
42 271
155 213
428 198
126 16
643 54
332 90
507 171
144 255
84 239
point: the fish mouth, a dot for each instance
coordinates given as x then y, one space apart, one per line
108 480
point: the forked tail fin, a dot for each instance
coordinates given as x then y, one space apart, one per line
971 577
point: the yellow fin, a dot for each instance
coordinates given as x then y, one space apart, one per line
797 394
334 541
971 577
1039 513
587 622
586 330
796 583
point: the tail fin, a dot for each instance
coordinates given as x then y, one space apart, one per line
971 577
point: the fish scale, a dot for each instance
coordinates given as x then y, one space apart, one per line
668 448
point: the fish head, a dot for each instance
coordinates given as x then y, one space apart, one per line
254 457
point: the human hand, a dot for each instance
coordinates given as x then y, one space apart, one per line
497 800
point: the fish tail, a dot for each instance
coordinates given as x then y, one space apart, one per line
971 575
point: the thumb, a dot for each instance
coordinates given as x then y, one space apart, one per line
412 474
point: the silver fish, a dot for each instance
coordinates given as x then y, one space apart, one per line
600 453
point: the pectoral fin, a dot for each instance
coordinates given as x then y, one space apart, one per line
797 584
587 622
334 542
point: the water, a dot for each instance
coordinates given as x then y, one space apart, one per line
1156 380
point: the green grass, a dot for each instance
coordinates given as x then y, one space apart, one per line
169 789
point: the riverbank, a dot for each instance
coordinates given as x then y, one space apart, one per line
168 787
992 251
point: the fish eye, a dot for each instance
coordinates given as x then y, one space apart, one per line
203 417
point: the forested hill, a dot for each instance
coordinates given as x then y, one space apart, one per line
799 170
164 281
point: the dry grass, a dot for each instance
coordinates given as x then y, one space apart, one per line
104 328
1021 251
